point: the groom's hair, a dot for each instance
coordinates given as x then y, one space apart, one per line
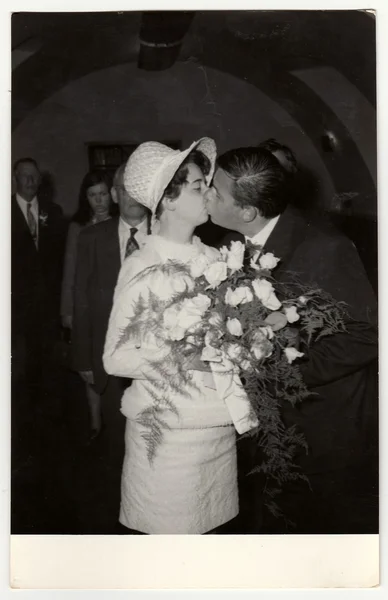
258 179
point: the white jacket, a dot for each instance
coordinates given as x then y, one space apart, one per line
197 406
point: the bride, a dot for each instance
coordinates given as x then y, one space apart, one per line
190 487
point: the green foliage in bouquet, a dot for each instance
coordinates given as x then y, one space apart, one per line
258 327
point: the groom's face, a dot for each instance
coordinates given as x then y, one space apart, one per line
221 205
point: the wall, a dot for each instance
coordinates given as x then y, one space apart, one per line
124 104
359 118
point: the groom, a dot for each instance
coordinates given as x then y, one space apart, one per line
249 196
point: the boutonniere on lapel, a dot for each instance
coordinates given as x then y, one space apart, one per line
43 219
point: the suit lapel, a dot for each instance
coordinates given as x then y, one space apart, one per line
108 253
18 220
288 233
19 224
43 227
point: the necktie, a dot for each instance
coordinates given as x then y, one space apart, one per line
32 224
132 244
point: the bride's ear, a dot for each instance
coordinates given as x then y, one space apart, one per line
169 203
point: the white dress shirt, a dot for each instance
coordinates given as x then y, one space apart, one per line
34 210
125 233
260 238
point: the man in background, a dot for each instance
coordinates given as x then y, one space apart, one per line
37 242
101 252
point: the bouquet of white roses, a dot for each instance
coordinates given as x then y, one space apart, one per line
252 331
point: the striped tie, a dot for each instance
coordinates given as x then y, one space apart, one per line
132 244
32 224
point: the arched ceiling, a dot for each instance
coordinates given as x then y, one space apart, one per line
51 49
262 47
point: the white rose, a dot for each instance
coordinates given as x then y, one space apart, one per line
268 261
272 302
292 354
199 304
267 331
193 341
245 365
187 320
261 346
212 337
170 316
262 350
259 336
188 314
215 273
234 327
216 319
258 352
211 354
264 291
229 296
224 253
291 314
212 254
192 311
303 300
235 259
240 295
234 352
262 288
177 333
198 266
254 264
182 283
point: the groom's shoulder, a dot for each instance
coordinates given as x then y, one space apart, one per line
321 227
324 237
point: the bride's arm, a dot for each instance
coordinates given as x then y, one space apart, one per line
133 357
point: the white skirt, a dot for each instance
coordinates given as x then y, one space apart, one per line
191 486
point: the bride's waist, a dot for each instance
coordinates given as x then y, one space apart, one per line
193 405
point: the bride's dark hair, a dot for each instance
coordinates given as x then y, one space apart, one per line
173 189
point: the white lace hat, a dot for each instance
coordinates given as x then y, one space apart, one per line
151 167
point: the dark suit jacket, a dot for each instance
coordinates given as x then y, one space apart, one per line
340 369
98 266
36 273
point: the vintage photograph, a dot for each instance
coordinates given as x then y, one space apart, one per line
194 287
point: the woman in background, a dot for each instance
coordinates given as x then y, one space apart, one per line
94 205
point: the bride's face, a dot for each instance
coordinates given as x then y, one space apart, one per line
190 205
